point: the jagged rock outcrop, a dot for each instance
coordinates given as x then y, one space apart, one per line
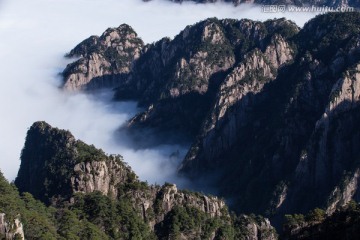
258 229
10 229
246 80
47 157
184 65
181 77
108 175
58 169
66 166
104 61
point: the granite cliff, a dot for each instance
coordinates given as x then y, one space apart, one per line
271 109
103 61
286 140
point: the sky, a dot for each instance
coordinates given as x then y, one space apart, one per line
34 37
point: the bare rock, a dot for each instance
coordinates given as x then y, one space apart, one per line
11 229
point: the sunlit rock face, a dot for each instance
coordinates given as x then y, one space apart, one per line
104 61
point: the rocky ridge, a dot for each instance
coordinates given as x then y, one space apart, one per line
189 86
60 171
104 61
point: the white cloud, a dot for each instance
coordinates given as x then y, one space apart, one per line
36 34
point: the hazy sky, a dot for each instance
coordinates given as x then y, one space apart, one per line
34 37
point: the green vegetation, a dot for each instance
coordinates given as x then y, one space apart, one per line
118 219
53 149
314 216
344 223
88 153
93 216
328 33
191 221
37 219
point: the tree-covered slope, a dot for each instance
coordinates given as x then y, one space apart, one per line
343 224
92 195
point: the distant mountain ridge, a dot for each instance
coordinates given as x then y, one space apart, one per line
319 3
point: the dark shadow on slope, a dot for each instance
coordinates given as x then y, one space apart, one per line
174 120
251 168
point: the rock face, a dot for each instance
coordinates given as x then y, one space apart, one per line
179 79
47 157
284 130
108 175
56 168
104 61
10 229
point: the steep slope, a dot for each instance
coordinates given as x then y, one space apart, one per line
179 79
342 224
287 143
10 225
23 217
104 61
103 190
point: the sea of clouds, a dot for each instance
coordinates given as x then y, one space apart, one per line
35 35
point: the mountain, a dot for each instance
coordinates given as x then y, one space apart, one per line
271 109
86 188
104 60
287 146
180 77
319 3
